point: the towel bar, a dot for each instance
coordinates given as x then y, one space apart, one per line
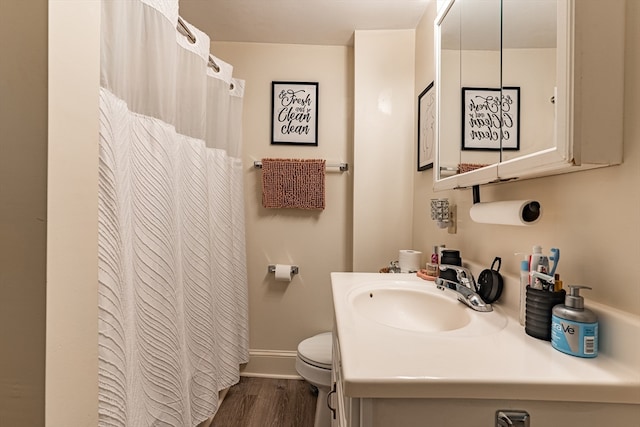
342 166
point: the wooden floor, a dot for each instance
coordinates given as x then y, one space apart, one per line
266 402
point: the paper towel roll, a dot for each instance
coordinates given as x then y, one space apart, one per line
514 212
283 273
409 260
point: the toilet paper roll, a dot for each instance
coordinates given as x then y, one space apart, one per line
283 273
514 212
409 260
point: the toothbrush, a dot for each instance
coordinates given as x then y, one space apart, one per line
555 257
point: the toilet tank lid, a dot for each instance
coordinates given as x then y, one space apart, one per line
317 349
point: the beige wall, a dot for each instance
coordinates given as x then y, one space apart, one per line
372 120
72 261
384 152
48 171
591 216
23 198
318 242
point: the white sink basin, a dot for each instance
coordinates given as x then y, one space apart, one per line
417 306
421 310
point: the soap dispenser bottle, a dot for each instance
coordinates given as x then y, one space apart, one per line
574 328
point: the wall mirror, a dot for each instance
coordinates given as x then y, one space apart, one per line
520 93
468 89
529 52
496 69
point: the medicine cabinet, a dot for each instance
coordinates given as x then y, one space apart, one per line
527 88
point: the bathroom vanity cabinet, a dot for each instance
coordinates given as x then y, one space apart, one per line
389 376
346 410
352 411
527 89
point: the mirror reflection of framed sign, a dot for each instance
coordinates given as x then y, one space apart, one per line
426 127
490 120
294 110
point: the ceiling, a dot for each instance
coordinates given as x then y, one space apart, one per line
317 22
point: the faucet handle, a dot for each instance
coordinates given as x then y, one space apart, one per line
463 275
466 278
469 284
465 294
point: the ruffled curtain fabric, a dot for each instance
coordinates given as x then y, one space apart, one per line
173 304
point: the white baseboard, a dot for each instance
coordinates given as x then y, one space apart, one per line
271 364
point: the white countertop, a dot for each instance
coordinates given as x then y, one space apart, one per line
380 361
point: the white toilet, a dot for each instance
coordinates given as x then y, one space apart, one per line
313 363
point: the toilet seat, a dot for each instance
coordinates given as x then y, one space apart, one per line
316 350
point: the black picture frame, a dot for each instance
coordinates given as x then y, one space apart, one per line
294 113
491 118
426 127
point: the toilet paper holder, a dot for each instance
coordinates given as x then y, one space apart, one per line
271 268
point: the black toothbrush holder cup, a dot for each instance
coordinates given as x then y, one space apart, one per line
539 304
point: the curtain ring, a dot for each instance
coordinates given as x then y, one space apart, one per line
185 31
213 65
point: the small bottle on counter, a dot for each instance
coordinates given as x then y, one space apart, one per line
574 328
432 267
557 284
434 256
524 281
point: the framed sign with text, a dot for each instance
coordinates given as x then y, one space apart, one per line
294 111
491 118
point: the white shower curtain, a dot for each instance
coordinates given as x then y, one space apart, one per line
173 323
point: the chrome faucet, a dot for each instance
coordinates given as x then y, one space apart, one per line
465 288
